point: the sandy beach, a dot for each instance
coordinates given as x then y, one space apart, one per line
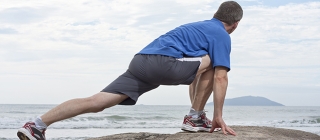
243 133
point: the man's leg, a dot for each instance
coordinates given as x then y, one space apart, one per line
68 109
192 88
200 90
74 107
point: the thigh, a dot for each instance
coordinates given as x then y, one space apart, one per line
129 85
164 70
183 72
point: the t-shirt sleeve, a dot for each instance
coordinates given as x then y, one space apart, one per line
220 52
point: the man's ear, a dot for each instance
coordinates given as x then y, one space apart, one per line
235 25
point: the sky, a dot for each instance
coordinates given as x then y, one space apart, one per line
53 51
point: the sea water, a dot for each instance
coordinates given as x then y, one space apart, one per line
153 118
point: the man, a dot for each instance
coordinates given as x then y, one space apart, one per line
195 54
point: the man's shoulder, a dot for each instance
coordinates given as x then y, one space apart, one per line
212 25
211 28
199 23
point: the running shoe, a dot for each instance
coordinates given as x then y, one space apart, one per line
194 124
30 132
207 121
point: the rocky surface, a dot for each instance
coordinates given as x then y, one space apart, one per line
243 133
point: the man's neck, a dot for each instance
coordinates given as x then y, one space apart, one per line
227 27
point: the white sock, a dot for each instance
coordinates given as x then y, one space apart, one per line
194 113
39 123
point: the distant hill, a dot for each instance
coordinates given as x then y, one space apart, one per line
249 101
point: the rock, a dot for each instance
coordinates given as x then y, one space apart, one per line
243 133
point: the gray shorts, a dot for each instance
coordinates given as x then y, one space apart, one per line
147 72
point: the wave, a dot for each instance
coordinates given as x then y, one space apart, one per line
15 112
112 121
311 122
304 121
118 118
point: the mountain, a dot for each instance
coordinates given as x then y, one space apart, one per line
249 101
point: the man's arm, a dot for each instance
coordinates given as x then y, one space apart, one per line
220 84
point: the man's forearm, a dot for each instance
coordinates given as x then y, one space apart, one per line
220 85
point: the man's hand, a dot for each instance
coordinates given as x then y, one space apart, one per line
219 123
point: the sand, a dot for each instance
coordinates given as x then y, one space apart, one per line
243 133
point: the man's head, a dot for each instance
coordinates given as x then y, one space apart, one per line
229 12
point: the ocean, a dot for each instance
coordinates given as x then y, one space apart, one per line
153 118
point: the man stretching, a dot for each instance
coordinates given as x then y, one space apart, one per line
195 54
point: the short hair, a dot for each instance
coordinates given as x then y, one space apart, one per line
229 12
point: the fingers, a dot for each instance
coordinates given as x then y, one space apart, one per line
214 126
227 130
223 128
211 130
231 131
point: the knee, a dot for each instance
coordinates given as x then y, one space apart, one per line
95 103
205 65
206 61
102 100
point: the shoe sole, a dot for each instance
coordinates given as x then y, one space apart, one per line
24 135
194 129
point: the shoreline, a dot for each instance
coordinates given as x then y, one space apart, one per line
243 133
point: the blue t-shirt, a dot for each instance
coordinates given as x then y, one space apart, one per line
194 40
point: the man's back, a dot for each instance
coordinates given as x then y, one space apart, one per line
194 40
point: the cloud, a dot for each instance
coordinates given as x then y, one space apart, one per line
7 31
278 34
22 15
274 45
86 23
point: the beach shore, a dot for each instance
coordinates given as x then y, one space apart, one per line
243 133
